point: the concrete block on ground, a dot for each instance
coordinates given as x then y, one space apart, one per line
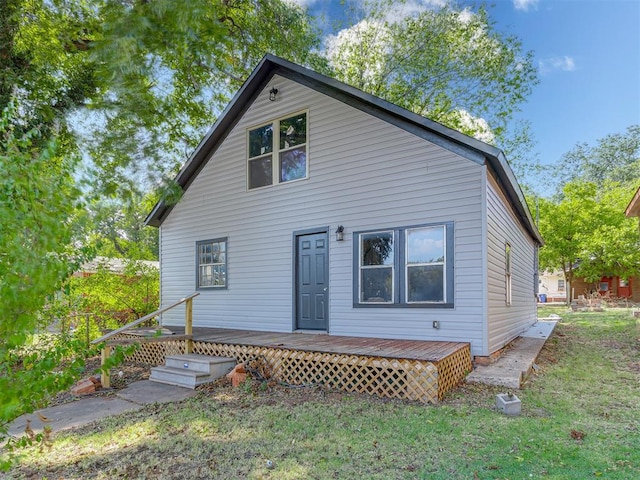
508 403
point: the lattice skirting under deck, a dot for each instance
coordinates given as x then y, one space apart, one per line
418 380
153 353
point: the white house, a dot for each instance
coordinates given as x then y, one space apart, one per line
311 205
553 286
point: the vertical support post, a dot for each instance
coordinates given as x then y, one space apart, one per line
188 324
105 378
86 324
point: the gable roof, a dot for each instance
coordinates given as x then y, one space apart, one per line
430 130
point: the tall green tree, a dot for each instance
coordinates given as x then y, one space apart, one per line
447 63
613 246
39 208
129 87
135 83
587 234
170 69
614 158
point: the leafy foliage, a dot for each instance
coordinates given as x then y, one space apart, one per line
587 234
118 230
38 213
615 158
449 64
43 66
614 244
123 296
584 224
170 70
137 84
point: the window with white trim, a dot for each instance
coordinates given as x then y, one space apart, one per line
404 267
561 284
277 151
211 259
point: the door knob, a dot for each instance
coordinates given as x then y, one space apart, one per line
325 289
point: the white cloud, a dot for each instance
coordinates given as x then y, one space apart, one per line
303 3
465 16
563 63
399 12
524 5
475 126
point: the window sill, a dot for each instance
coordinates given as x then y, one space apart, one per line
403 305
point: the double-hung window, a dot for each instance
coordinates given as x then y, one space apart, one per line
211 258
404 267
277 152
425 264
561 284
377 261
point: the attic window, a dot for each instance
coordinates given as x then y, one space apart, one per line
277 152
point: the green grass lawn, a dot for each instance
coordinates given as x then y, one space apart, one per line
580 419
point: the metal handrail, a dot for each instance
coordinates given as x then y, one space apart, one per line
143 319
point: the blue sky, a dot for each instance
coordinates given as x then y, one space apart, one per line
588 55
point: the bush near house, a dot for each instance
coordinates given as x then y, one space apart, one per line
53 357
107 299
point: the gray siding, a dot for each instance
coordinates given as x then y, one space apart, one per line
363 174
505 322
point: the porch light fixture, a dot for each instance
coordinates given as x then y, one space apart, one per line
340 233
272 94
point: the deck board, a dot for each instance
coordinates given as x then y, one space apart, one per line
377 347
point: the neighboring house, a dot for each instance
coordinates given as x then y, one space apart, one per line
553 286
313 206
633 209
607 286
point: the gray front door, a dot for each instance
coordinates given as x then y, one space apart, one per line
312 285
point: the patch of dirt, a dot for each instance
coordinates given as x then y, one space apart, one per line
121 376
270 393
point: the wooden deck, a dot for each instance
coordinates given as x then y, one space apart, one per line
408 369
323 343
